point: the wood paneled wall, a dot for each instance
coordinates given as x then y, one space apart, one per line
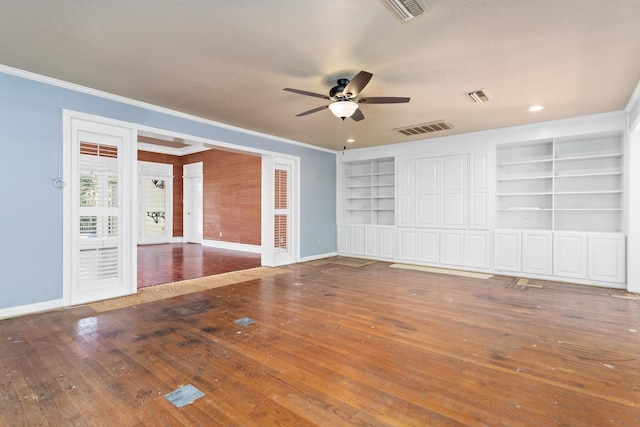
232 192
176 161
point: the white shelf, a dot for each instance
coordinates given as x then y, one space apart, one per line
532 208
567 193
526 162
589 157
369 192
525 178
588 210
524 194
569 183
583 175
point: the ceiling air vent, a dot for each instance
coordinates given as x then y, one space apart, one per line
425 128
478 96
407 9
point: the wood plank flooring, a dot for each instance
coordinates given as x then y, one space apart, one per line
166 263
334 345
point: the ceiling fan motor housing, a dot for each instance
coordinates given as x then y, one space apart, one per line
337 91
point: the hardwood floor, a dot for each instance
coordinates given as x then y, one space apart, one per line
168 263
334 345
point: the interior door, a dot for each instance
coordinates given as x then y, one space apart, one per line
193 203
99 211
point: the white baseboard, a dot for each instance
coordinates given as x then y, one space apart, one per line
178 239
22 310
315 257
233 246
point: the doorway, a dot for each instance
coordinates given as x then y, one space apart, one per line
202 220
155 203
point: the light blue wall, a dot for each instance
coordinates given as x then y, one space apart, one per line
31 207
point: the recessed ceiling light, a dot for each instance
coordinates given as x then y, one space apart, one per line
351 140
536 108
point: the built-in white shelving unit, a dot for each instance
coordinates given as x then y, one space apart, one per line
525 185
589 184
370 192
558 211
566 184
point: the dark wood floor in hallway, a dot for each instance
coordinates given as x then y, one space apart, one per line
334 345
167 263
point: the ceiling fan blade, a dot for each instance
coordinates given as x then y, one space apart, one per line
383 100
357 116
357 83
304 92
315 110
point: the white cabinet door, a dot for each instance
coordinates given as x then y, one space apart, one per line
344 238
453 173
479 191
405 210
453 191
427 210
405 193
371 244
427 189
427 175
479 171
441 192
537 250
429 246
477 250
357 239
407 245
479 210
570 255
451 246
453 210
387 242
607 258
507 250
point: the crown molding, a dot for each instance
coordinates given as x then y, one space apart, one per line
124 100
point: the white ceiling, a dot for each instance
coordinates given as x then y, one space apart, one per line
229 60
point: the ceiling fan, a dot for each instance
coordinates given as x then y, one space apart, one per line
345 99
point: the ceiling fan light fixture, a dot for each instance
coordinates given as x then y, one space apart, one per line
343 109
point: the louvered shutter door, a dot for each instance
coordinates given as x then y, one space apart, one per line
281 209
99 213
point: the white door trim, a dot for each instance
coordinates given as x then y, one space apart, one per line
128 223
